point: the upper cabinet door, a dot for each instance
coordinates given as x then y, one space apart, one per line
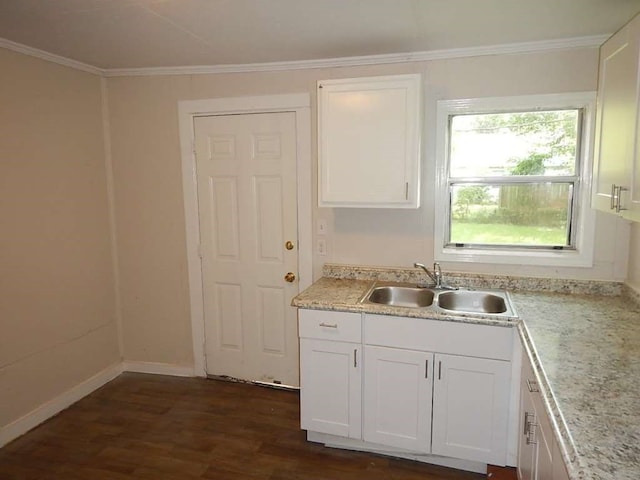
369 142
633 207
616 158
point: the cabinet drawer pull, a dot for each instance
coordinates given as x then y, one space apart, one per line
532 385
619 207
527 423
329 325
529 428
531 435
439 370
426 368
355 358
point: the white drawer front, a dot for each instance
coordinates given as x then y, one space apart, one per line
325 325
439 336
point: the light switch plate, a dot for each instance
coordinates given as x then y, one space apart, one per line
322 247
322 226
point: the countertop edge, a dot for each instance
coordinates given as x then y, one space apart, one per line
560 430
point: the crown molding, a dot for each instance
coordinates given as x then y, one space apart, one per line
507 49
593 41
50 57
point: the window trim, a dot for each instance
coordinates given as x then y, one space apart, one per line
584 224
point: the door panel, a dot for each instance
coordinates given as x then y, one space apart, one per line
397 398
331 397
246 175
471 405
616 115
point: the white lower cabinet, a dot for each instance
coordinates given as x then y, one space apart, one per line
330 373
539 456
330 393
527 449
425 390
470 408
398 388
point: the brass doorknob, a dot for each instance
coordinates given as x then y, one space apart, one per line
290 277
288 245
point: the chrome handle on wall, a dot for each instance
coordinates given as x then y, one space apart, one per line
612 201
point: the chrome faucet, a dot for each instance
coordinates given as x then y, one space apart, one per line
435 276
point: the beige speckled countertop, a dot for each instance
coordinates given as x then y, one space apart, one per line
585 349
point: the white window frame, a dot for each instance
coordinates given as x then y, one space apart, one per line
582 256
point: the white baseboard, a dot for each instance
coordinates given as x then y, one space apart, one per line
158 369
52 407
49 409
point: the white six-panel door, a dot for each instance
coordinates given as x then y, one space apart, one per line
246 177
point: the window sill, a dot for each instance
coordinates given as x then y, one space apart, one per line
545 258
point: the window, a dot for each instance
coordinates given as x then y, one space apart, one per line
513 180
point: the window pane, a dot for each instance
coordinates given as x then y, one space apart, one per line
520 215
523 143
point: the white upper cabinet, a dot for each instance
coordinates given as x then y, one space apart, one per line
616 186
369 142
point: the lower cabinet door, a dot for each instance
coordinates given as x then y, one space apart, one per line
331 387
527 447
471 408
559 467
397 398
543 438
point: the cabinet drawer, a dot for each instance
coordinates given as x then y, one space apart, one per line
439 336
324 325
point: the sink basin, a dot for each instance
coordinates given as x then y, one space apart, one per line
472 301
401 296
409 295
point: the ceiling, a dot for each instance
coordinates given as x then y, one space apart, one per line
121 34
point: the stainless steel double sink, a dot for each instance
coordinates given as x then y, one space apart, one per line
484 302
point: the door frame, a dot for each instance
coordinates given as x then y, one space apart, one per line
300 104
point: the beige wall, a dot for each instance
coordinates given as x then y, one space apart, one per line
57 300
57 314
148 193
634 257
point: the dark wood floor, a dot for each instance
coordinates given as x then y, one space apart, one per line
156 427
